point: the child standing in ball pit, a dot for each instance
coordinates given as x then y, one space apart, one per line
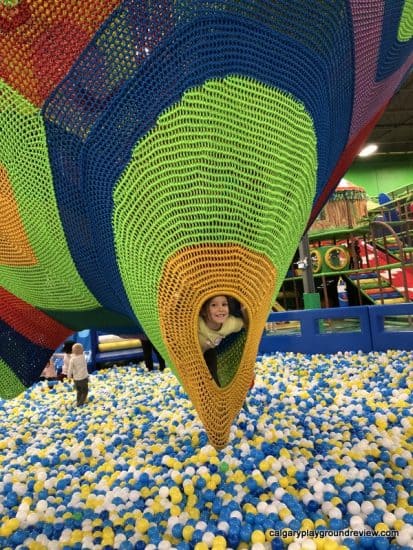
66 355
49 373
214 324
78 371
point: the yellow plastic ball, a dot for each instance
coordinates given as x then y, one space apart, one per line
191 501
77 536
340 479
398 524
291 470
284 482
219 545
187 532
307 525
175 495
283 513
286 537
142 525
9 526
35 545
330 544
257 536
194 513
216 478
249 508
38 486
157 508
175 510
178 478
319 522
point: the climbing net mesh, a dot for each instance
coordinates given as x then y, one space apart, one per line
154 154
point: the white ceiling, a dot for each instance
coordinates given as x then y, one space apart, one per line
394 131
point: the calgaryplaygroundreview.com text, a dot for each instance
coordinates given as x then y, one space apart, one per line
324 533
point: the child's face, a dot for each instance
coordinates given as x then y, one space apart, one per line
218 309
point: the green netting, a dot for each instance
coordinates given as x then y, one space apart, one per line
10 383
233 162
405 32
51 281
229 359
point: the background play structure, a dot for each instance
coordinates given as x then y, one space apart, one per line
154 154
366 245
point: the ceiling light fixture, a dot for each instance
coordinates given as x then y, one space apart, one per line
368 150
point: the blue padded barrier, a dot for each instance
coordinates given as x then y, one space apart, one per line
315 331
320 330
129 354
312 338
389 335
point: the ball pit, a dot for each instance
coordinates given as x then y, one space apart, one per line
325 448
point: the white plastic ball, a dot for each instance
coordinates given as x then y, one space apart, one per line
201 525
389 518
399 513
356 523
223 526
32 518
335 513
208 538
308 545
367 507
353 507
163 491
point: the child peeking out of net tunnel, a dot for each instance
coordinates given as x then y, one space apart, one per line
214 324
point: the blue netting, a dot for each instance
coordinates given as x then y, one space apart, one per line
27 358
392 53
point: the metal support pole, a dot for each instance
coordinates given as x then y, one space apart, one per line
311 297
305 256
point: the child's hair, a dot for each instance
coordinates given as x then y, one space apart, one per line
67 346
77 349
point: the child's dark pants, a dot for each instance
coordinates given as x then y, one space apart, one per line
147 348
82 389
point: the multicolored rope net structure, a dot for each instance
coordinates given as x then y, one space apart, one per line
154 154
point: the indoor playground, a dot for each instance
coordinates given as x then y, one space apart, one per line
365 247
158 158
